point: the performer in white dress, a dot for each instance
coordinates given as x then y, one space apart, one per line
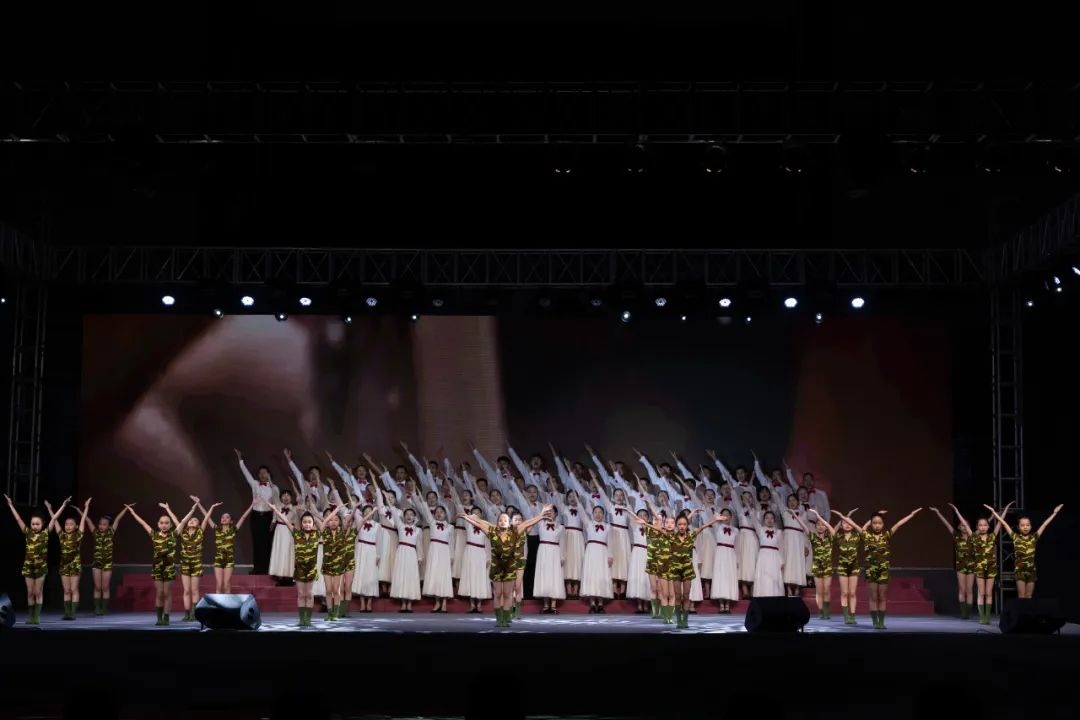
438 581
746 544
794 550
638 586
475 583
386 502
366 577
596 569
405 585
725 576
282 562
620 511
573 539
769 571
548 582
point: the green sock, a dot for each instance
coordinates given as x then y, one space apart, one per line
655 607
825 608
881 620
517 611
344 608
669 611
97 606
963 611
160 612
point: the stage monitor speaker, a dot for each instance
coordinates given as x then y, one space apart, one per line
228 612
1030 616
776 614
7 612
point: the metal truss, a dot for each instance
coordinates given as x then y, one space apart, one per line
1040 243
19 254
27 373
1006 352
514 268
321 112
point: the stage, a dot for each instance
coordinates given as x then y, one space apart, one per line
625 665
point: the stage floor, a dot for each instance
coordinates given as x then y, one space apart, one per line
427 623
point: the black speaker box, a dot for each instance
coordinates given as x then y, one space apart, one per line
1031 616
7 612
776 614
228 612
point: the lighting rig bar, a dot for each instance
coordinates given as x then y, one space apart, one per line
1038 245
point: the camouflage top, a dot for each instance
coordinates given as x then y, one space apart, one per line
984 549
662 543
306 549
191 547
1024 551
224 537
962 549
681 547
504 553
822 546
37 545
69 548
847 548
876 545
164 548
103 547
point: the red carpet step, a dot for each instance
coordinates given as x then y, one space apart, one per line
907 596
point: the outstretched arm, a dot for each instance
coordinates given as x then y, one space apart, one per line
145 526
482 525
116 520
792 513
53 525
1039 532
180 524
1000 520
206 515
850 522
903 521
533 520
960 518
240 522
282 517
830 528
82 520
15 513
946 523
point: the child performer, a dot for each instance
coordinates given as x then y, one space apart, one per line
746 542
192 533
438 573
163 571
794 550
224 539
103 559
821 565
548 581
338 544
725 574
35 562
681 567
847 563
876 543
365 581
504 543
573 537
1024 549
281 549
639 584
306 540
984 547
475 583
963 561
405 585
71 559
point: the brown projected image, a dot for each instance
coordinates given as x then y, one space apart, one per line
864 405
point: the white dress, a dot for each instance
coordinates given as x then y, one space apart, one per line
282 561
574 539
793 551
366 578
475 581
695 584
318 588
459 545
548 581
768 577
725 574
405 584
595 573
637 581
619 538
387 544
438 581
746 546
704 544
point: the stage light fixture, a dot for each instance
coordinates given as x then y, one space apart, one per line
918 160
544 302
596 302
793 158
857 302
372 301
414 317
626 316
791 303
168 300
218 313
660 302
748 320
725 302
819 318
1075 269
3 301
1056 279
247 301
437 302
682 318
305 301
347 319
281 317
715 160
1059 289
1029 303
636 159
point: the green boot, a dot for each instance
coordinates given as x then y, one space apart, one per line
684 618
881 620
97 606
821 612
825 609
30 612
67 611
105 606
160 614
516 615
344 610
669 611
985 616
964 614
308 612
655 608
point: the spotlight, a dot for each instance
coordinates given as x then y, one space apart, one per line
793 158
1029 303
372 301
791 302
437 302
626 316
918 160
414 317
218 313
281 317
715 160
247 301
661 302
857 302
636 159
544 302
748 320
305 302
168 300
818 318
682 318
1056 279
1059 289
347 319
725 302
1075 269
992 160
3 300
596 302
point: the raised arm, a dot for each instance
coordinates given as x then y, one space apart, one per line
604 500
119 515
533 520
207 515
759 475
145 526
598 463
244 470
1000 521
15 513
282 517
52 524
960 518
649 469
240 522
481 524
830 529
421 471
520 464
792 483
946 523
904 520
850 522
1039 532
82 518
489 470
180 523
722 468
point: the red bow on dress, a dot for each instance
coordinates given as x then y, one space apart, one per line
476 531
769 534
599 528
439 525
389 514
551 526
367 526
595 496
727 531
264 483
806 506
573 513
618 511
408 531
764 506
